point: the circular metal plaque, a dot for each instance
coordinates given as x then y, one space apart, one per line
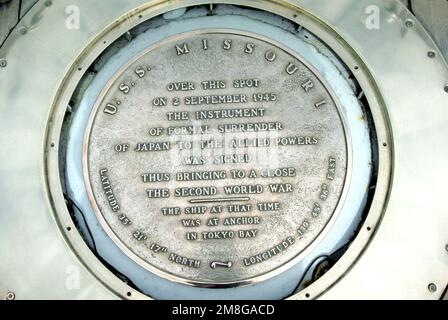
216 158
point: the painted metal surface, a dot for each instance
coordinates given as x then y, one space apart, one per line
407 251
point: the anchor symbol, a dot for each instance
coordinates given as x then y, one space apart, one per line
215 264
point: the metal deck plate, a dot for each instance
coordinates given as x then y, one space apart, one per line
400 249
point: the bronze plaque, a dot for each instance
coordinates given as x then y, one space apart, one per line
216 158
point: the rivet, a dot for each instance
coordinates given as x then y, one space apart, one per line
432 287
409 23
23 30
431 54
10 296
48 3
446 88
3 63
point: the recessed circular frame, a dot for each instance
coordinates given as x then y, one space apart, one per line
393 78
382 183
